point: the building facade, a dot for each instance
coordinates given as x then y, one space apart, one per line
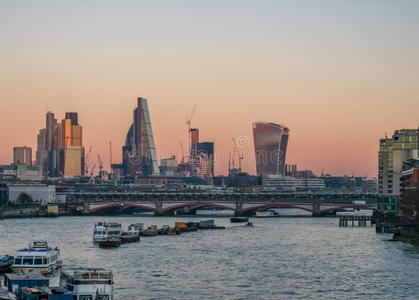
39 193
270 141
393 152
139 152
409 190
22 172
22 155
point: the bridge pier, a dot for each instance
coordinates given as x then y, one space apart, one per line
316 210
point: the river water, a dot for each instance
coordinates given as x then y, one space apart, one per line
284 258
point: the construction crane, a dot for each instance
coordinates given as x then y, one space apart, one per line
100 163
240 154
93 169
188 123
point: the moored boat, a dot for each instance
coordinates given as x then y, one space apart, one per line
38 257
102 230
88 283
267 214
150 231
132 235
6 262
239 219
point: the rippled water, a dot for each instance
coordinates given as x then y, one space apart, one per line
288 258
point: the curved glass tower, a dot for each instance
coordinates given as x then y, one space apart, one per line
270 141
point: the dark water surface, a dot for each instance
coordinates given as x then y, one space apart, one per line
289 258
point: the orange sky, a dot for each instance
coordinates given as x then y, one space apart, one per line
339 85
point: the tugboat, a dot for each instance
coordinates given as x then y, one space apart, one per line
102 230
88 283
6 262
150 231
39 257
132 235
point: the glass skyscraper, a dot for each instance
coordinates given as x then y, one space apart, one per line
270 141
139 155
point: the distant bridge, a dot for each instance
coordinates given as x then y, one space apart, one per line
239 203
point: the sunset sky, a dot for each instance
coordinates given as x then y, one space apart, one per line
339 74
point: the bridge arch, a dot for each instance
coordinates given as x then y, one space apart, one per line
122 205
275 205
200 204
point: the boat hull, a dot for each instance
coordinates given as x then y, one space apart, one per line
110 243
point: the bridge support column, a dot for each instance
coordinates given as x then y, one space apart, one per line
316 210
239 208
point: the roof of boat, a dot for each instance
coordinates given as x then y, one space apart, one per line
31 275
72 271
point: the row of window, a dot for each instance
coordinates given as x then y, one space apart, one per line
34 260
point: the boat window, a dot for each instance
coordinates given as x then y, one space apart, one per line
38 260
86 297
44 260
104 276
94 276
27 260
102 297
18 261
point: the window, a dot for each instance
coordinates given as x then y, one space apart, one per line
38 260
86 297
102 297
44 260
27 260
18 261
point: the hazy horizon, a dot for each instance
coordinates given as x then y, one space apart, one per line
339 74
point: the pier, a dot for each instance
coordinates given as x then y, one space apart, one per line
362 221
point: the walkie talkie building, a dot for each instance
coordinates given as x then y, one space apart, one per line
270 141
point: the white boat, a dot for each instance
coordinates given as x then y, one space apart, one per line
103 230
38 257
88 283
135 228
5 294
267 214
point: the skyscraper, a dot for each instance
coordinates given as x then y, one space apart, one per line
71 150
139 152
270 141
194 140
22 156
393 152
206 158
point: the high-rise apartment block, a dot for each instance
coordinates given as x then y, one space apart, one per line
393 152
22 156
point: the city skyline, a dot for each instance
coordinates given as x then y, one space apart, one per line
339 87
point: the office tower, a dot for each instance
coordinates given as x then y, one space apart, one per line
393 152
139 155
205 152
22 156
194 140
42 152
270 141
71 150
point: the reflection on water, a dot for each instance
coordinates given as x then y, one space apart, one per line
289 258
